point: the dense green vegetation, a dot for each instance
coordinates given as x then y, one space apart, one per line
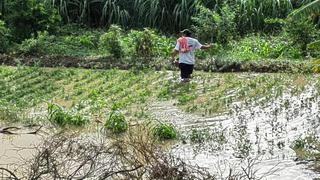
242 30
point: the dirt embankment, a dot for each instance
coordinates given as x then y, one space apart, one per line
212 65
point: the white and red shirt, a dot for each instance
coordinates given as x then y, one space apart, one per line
186 47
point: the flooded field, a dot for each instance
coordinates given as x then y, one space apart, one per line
230 126
262 134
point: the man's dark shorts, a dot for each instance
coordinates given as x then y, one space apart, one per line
186 70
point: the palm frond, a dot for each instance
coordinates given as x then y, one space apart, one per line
307 10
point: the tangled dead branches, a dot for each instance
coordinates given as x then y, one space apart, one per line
134 156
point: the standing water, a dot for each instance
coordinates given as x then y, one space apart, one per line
255 139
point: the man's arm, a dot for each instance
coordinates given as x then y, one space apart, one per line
206 47
198 45
174 54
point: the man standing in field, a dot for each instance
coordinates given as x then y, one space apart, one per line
186 47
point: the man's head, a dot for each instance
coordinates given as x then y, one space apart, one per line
186 32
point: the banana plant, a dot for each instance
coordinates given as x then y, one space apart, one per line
310 9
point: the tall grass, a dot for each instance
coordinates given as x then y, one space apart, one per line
169 16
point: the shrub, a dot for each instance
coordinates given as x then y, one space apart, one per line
86 40
314 48
307 147
116 122
141 43
204 23
165 131
147 44
27 17
62 117
163 46
300 33
4 37
213 26
110 41
35 45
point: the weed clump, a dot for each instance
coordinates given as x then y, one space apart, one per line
116 122
61 117
165 131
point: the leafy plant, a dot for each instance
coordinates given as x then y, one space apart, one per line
27 17
61 117
213 26
35 45
199 136
111 41
86 41
314 48
166 15
301 33
141 44
116 122
165 131
312 8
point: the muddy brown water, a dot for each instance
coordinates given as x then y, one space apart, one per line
16 151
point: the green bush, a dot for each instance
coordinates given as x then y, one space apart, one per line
27 17
111 41
147 43
141 44
300 33
4 37
86 40
314 48
116 122
36 45
204 23
165 131
62 117
212 26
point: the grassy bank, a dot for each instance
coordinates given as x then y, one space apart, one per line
76 46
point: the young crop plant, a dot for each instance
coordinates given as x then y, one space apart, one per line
307 148
165 131
61 117
116 122
200 135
